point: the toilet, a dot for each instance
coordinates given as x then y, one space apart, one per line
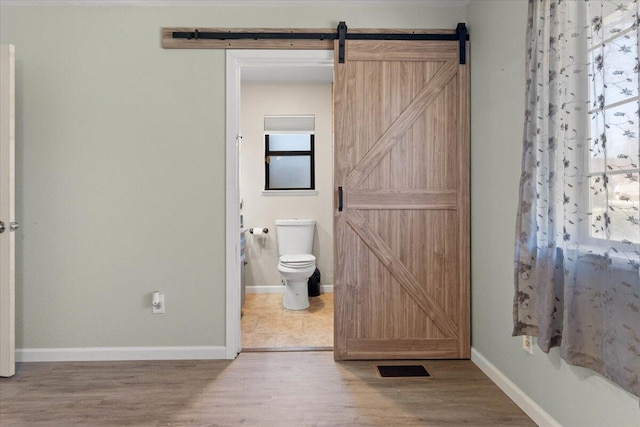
296 263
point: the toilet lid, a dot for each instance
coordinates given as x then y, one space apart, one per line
298 260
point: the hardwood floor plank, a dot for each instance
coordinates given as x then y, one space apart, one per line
257 389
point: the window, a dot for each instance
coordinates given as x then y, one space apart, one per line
289 161
613 155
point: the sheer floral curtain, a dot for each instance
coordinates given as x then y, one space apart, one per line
578 225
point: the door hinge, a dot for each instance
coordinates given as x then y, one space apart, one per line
267 159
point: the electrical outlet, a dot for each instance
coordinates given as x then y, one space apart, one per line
527 343
157 304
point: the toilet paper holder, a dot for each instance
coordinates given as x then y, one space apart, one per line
264 230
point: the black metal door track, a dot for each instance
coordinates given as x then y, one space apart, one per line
461 36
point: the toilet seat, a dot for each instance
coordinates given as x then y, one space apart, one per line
297 261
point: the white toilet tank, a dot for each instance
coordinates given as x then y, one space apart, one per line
295 236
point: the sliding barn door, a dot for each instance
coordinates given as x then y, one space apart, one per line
402 230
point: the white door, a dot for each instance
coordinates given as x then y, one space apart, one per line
7 211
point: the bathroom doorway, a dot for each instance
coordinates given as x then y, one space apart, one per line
282 83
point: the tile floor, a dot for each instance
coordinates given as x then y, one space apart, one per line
266 324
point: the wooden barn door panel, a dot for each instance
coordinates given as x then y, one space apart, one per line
402 237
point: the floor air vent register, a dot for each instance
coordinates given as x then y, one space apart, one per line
402 371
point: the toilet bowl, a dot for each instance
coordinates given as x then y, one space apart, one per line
296 270
296 262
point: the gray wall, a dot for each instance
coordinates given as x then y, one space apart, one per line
573 396
121 167
120 163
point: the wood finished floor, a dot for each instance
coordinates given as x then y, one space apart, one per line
257 389
266 324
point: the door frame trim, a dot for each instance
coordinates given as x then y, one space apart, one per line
7 212
235 61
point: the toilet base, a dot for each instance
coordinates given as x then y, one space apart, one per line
296 295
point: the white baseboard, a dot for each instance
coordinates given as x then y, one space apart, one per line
279 289
265 289
531 408
86 354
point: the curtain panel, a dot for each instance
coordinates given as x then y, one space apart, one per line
577 249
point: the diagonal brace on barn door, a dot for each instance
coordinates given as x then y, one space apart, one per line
410 114
398 270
